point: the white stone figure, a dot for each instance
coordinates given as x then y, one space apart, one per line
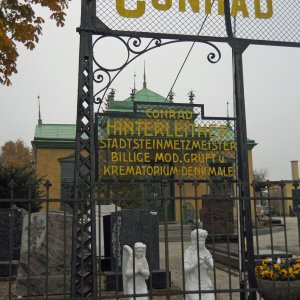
192 272
141 270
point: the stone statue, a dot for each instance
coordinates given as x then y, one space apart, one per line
140 274
193 272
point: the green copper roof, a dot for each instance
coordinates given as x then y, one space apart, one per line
147 95
54 136
55 132
144 95
63 135
251 144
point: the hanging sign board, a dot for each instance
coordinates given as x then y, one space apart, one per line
165 139
258 21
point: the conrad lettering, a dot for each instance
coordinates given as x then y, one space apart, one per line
263 9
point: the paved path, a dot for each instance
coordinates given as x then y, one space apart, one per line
223 277
280 241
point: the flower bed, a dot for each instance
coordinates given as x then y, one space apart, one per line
279 279
285 269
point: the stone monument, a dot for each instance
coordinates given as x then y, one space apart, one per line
135 270
217 217
126 227
197 261
46 268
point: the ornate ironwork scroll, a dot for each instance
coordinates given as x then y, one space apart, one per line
134 47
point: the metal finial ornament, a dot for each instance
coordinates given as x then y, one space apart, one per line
171 95
144 83
134 81
227 109
111 95
191 97
132 95
40 118
228 121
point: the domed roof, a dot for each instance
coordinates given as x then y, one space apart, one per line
143 95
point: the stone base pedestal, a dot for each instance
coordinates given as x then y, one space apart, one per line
5 266
114 282
105 264
33 286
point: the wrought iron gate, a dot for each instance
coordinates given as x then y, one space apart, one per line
216 193
36 256
85 164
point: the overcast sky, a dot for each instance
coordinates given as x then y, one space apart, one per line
271 74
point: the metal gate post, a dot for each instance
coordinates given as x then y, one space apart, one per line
84 271
243 169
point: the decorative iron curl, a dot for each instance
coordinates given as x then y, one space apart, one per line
135 45
135 48
214 57
101 76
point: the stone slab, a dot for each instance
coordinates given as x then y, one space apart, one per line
7 219
10 240
101 211
40 285
49 259
217 215
127 227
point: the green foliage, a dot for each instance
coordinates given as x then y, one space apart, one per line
127 195
24 181
19 23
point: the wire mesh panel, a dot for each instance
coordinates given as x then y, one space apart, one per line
169 18
259 20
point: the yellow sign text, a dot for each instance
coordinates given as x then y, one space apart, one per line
237 7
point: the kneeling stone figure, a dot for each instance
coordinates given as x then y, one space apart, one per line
192 272
134 281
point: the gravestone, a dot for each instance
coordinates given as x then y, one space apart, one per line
127 227
10 241
217 217
46 269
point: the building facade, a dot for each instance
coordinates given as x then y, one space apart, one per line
54 149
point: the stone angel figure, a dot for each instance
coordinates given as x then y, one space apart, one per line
197 261
134 281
